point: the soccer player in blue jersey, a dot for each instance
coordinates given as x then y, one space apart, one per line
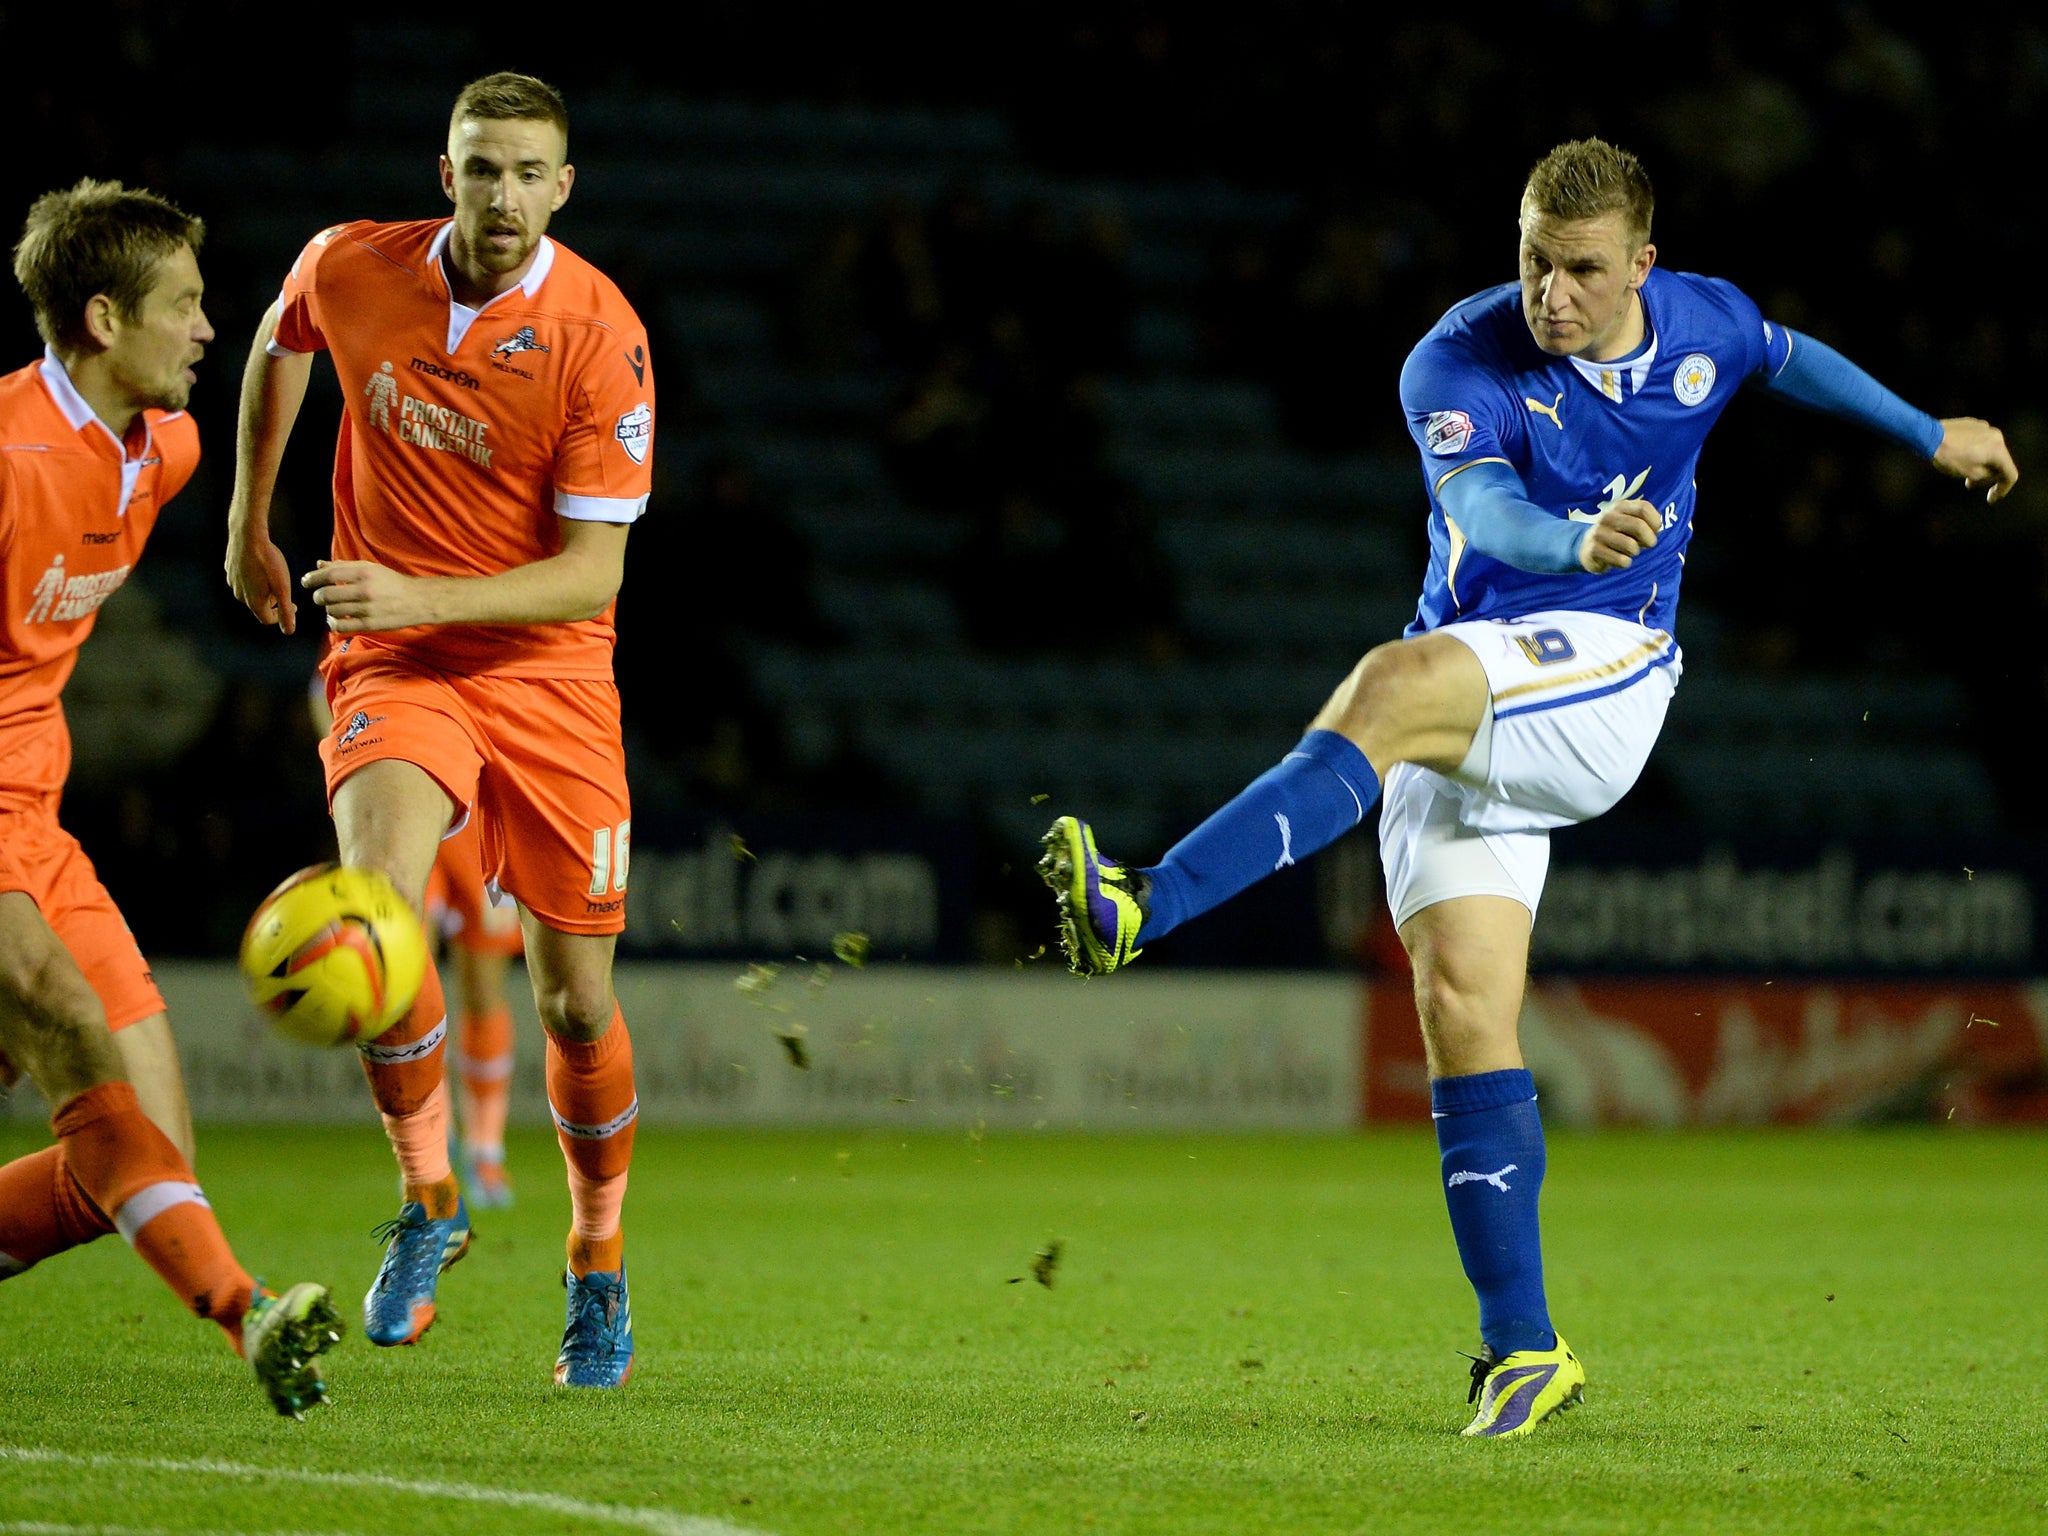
1559 420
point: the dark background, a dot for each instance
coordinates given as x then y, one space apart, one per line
1082 216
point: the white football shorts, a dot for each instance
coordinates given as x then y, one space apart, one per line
1578 700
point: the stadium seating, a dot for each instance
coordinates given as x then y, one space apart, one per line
1287 565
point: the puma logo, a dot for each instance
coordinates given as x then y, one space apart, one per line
1549 410
1286 842
1498 1180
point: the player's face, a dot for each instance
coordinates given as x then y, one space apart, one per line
1579 279
152 355
506 179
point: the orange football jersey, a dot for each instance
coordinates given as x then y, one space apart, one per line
76 507
468 434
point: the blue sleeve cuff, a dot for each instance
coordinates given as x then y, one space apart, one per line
1818 377
1493 511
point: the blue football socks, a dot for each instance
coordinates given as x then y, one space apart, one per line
1306 801
1491 1138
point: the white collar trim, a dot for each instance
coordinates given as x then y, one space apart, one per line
78 411
460 316
1607 377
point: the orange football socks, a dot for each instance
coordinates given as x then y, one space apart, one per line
128 1169
590 1090
404 1066
486 1081
43 1211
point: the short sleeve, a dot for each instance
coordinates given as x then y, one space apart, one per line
1454 411
604 466
298 305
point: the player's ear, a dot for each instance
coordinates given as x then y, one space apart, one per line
102 320
448 178
1646 258
564 180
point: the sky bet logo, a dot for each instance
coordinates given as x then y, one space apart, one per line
452 375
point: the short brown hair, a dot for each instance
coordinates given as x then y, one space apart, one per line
511 98
1588 179
97 237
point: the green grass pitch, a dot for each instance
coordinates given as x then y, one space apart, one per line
842 1332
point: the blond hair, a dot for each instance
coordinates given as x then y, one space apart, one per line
511 98
97 237
1589 179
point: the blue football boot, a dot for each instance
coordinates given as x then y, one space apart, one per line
597 1338
400 1304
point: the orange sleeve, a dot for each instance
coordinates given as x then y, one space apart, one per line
298 318
604 462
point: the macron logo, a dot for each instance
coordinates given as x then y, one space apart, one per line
1498 1180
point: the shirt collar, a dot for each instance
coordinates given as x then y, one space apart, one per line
543 263
77 411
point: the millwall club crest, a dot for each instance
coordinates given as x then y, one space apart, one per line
521 341
358 723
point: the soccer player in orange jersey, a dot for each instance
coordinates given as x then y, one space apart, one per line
482 939
94 440
494 450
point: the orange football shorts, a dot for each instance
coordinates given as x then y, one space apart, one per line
39 857
458 905
537 762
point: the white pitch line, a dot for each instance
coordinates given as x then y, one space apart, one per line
660 1521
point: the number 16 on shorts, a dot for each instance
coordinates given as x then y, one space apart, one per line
610 852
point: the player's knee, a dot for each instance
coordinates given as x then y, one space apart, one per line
577 1010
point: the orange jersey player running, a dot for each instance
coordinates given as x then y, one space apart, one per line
94 440
482 939
494 449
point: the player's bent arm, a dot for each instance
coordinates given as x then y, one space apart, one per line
1492 510
273 389
577 583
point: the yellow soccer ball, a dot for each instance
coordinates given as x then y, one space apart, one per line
334 956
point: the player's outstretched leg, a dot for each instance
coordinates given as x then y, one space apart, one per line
113 1159
590 1091
431 1230
1306 801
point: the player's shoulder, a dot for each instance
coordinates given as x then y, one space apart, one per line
1698 297
368 242
175 436
577 290
26 412
1479 336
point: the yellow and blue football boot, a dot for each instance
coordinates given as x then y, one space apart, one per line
1102 905
1520 1392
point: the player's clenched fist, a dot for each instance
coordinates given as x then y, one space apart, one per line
1618 535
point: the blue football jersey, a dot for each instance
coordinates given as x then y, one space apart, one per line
1582 436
